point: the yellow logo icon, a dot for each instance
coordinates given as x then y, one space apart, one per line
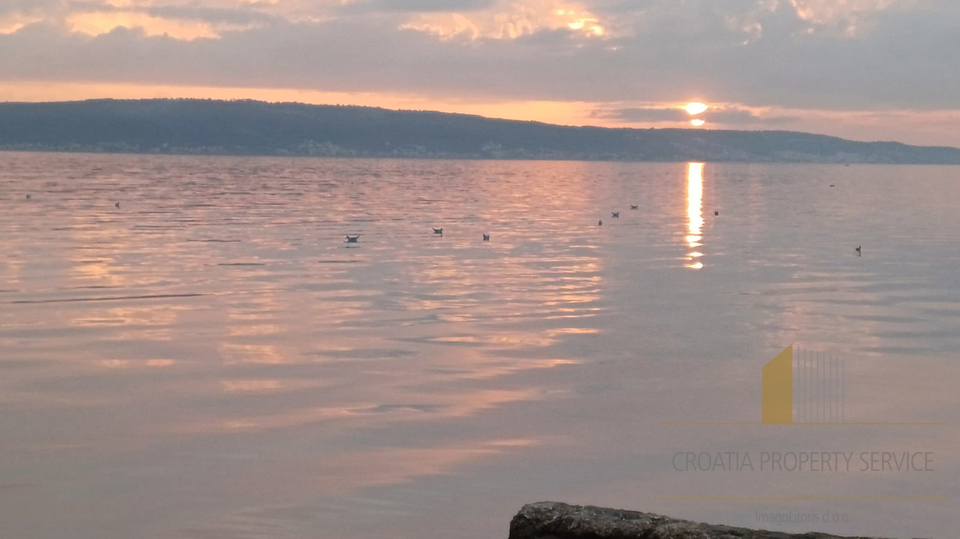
803 387
800 386
778 389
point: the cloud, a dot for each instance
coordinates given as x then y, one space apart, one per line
18 13
238 14
511 19
759 53
9 6
642 114
417 6
715 115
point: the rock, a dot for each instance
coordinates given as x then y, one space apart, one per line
553 520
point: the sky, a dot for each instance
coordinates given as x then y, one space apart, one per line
861 69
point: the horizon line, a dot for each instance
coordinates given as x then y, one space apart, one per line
541 122
787 424
804 499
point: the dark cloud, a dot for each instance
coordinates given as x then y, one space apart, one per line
641 114
240 15
213 15
30 6
736 116
417 6
715 115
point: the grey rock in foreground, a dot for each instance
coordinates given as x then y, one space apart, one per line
552 520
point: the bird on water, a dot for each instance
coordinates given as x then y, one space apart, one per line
353 239
117 205
486 237
634 206
600 223
858 249
28 197
615 214
438 231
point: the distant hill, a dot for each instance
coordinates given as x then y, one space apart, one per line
189 126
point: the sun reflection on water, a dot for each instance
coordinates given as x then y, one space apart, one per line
694 236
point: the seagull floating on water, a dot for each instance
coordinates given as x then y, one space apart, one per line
117 205
28 197
486 237
438 231
716 213
634 206
353 239
858 249
616 214
832 184
600 223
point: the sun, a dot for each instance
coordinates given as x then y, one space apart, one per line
697 122
695 108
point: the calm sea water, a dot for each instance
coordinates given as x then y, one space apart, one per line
213 360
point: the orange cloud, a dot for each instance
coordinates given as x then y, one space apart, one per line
96 23
510 19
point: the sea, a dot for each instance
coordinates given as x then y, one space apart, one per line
190 347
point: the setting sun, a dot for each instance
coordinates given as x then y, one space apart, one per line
695 108
698 122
